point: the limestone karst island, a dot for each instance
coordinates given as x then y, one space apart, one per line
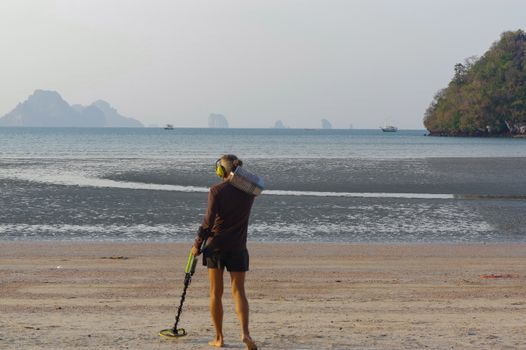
487 95
46 108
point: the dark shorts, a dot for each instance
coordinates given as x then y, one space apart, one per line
233 261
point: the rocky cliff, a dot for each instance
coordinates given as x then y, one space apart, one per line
48 109
217 121
487 95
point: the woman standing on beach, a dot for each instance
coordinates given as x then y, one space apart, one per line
226 220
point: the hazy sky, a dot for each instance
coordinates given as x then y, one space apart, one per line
361 62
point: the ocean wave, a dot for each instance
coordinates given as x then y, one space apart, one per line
361 194
181 232
82 180
427 230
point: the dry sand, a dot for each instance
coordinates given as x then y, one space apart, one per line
302 296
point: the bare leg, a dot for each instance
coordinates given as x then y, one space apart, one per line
216 305
238 293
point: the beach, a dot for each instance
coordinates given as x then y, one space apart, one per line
315 132
109 295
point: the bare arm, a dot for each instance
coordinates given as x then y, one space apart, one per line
208 222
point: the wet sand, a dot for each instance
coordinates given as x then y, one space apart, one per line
42 199
500 176
303 296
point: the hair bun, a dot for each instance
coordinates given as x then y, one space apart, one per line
236 163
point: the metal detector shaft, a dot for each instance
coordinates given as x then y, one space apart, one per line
191 264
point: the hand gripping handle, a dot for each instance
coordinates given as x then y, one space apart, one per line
191 263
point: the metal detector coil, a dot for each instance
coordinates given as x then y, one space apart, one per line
171 333
189 271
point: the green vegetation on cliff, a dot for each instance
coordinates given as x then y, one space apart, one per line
487 95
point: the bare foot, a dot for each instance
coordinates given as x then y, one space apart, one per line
217 342
249 343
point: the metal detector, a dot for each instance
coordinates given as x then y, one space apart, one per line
191 264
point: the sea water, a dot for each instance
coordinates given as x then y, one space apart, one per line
321 185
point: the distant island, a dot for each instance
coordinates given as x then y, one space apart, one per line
279 125
48 109
487 95
217 121
325 124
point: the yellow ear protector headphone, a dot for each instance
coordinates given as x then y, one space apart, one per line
220 170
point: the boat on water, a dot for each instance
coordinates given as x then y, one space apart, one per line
389 128
169 127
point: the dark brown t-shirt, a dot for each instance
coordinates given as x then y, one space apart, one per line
227 217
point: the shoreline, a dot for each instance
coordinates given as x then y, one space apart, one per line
475 135
178 245
250 242
67 295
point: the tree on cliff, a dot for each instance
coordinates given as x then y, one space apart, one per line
486 95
